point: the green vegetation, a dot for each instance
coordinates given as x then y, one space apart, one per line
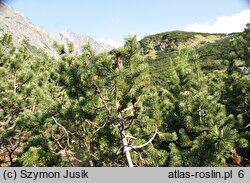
173 99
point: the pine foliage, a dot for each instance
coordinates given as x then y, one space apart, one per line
114 109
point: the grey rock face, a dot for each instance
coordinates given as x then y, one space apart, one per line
20 27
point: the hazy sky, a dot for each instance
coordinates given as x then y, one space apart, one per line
114 19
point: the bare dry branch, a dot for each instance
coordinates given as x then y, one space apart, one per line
57 141
95 126
119 150
145 144
247 125
105 105
130 136
12 127
128 108
8 119
67 133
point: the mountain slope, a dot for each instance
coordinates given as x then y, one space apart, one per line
20 27
213 50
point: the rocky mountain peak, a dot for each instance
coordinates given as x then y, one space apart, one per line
20 27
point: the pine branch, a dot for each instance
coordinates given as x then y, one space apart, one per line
97 92
14 84
135 112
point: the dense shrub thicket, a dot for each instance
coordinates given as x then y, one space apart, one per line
124 108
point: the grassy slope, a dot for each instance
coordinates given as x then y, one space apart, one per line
213 50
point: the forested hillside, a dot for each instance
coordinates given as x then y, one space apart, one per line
172 99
